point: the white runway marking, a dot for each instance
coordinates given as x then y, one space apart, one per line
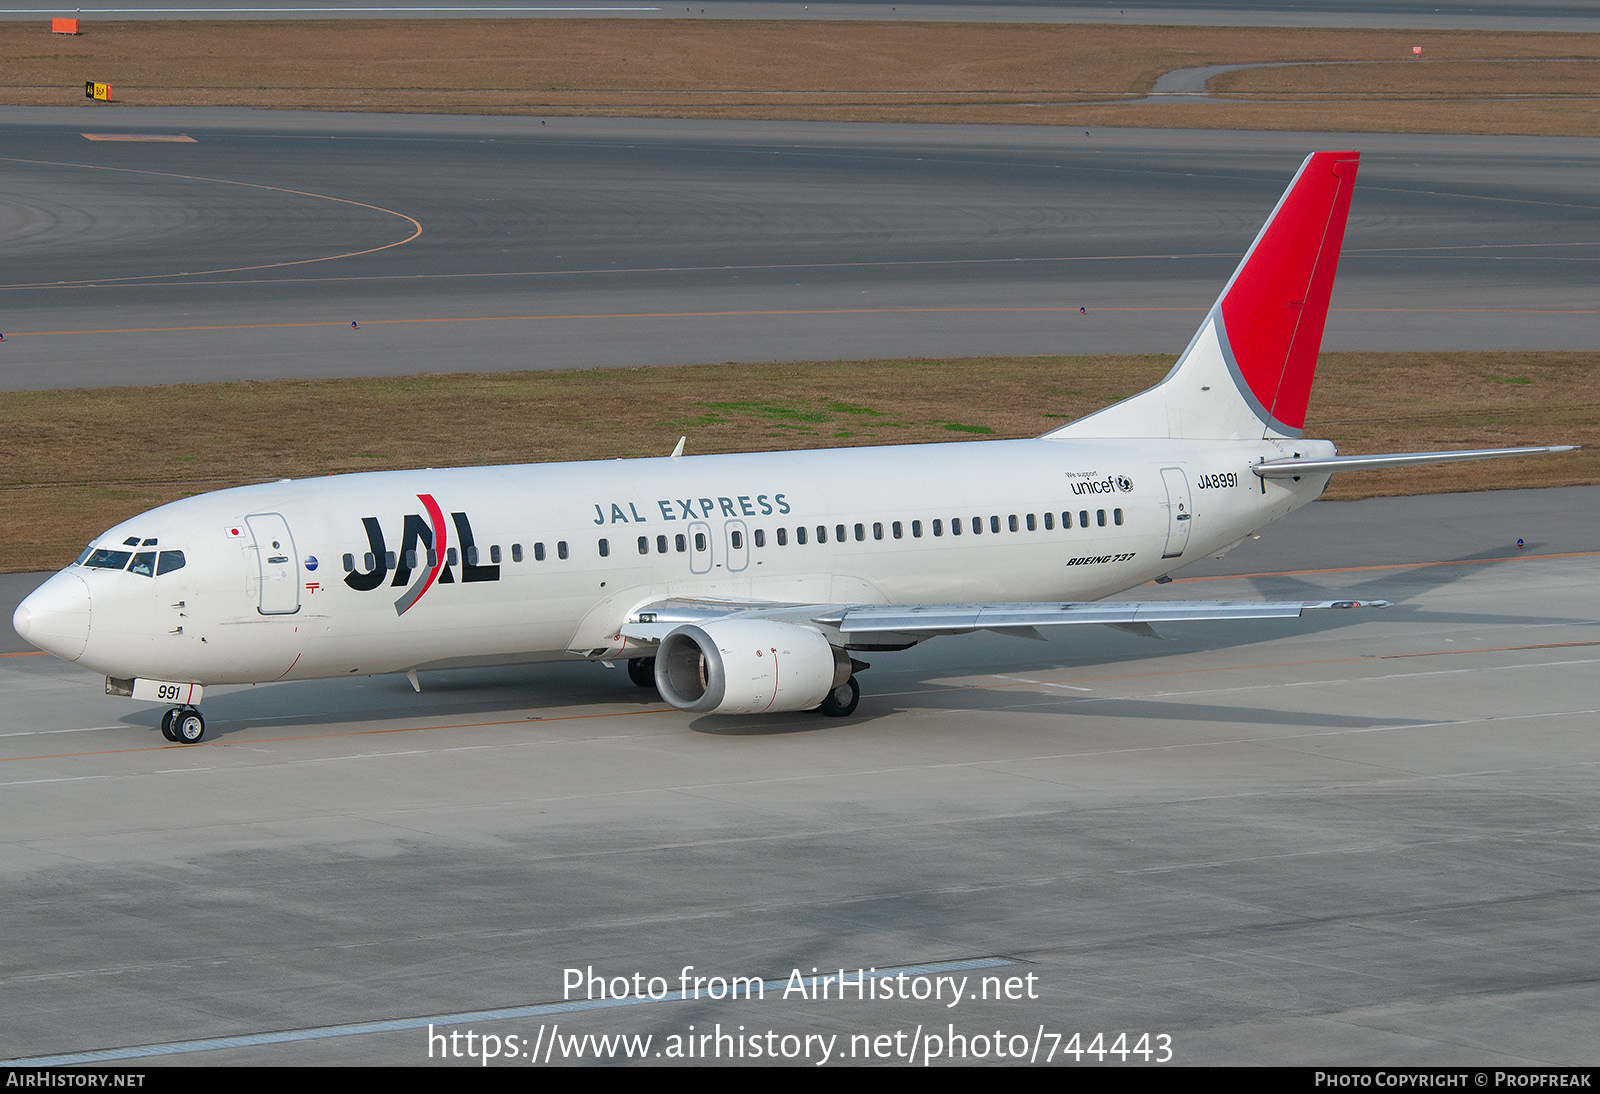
537 1010
46 732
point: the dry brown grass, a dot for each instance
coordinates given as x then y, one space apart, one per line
1410 80
83 468
929 72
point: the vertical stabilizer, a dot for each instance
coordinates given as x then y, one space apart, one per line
1248 370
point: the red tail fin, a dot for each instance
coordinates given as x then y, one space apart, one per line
1248 369
1276 305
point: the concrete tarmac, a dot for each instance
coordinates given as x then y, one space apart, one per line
1365 839
460 244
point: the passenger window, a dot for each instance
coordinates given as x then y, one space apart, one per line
783 537
494 554
389 557
349 564
822 533
433 558
800 535
916 529
173 560
938 527
699 541
516 552
977 526
1066 520
538 552
680 542
1013 521
861 533
736 539
450 557
1033 525
605 548
1083 518
561 549
994 525
1049 522
1100 517
761 537
955 526
838 530
1116 517
661 545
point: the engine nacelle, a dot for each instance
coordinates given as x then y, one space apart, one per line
747 666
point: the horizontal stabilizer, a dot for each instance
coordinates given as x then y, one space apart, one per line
1283 469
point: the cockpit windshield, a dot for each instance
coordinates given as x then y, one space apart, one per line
143 563
107 559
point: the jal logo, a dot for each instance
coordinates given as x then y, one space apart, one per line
423 559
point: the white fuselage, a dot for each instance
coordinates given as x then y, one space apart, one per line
287 580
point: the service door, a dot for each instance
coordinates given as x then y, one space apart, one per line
280 568
1178 511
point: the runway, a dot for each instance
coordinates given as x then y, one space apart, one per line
1352 841
1547 15
456 243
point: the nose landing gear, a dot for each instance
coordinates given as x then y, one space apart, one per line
183 725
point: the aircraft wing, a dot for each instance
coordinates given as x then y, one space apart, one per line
932 619
653 622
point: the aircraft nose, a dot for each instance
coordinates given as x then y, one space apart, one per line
55 616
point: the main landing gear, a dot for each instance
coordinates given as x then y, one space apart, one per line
183 725
642 671
841 701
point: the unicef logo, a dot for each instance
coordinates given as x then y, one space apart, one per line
1125 484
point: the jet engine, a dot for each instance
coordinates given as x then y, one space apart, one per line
748 666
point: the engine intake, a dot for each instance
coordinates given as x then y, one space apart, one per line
748 666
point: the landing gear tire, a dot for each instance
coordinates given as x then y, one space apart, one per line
166 725
642 671
187 726
841 701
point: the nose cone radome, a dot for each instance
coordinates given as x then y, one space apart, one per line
55 616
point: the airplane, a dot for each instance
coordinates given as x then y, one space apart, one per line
740 584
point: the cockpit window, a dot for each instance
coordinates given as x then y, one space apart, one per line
170 560
87 551
144 564
106 559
